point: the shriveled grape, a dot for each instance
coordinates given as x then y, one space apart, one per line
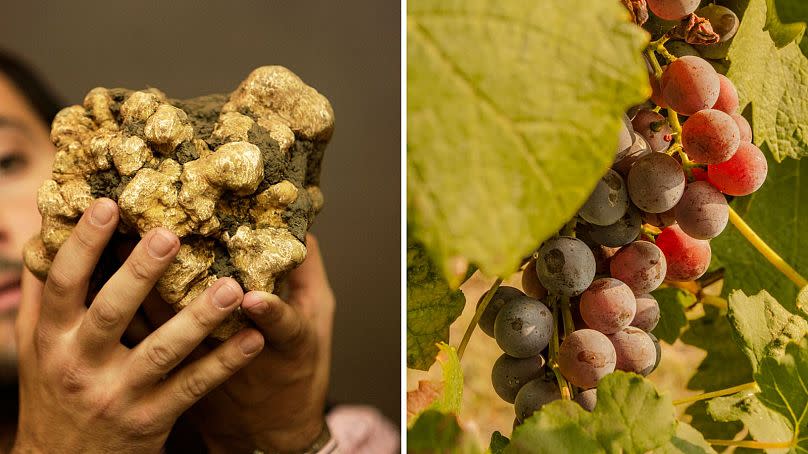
634 349
722 19
742 174
502 295
608 201
509 374
710 136
702 213
534 395
640 265
727 96
656 183
587 399
689 85
585 357
608 305
654 128
647 316
565 266
523 327
687 257
624 231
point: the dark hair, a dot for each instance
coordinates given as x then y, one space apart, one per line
45 103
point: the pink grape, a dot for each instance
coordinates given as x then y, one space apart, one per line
703 211
634 349
648 314
654 128
710 136
640 265
672 9
689 85
727 96
742 174
585 357
687 257
656 182
608 305
743 127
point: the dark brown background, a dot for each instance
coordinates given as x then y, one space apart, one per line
348 50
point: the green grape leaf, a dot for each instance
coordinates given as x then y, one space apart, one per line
672 319
630 417
774 80
782 382
513 116
435 433
713 333
762 422
451 396
431 307
762 326
777 213
498 443
686 441
707 425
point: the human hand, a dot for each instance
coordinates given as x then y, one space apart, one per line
81 390
276 403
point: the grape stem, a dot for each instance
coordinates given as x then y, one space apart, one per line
659 46
563 386
764 249
718 393
477 314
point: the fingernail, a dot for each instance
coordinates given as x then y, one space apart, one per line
160 244
251 344
225 296
102 213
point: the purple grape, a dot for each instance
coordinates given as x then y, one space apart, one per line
656 183
640 265
587 399
565 266
509 374
647 315
624 231
654 128
502 295
703 212
534 395
608 201
523 327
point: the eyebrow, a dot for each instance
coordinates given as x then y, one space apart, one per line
14 123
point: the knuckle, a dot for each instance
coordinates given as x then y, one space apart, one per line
202 317
59 283
139 269
103 314
161 357
194 386
144 422
71 378
230 363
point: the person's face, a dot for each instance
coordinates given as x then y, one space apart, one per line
26 155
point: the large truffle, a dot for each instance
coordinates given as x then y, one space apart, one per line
235 176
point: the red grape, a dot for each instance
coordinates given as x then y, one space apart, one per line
710 136
634 349
742 174
687 257
689 85
743 127
727 96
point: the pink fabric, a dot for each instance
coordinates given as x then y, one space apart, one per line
361 429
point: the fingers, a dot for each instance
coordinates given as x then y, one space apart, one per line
173 341
187 386
66 285
28 312
118 300
282 324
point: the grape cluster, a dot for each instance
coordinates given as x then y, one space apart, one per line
649 219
